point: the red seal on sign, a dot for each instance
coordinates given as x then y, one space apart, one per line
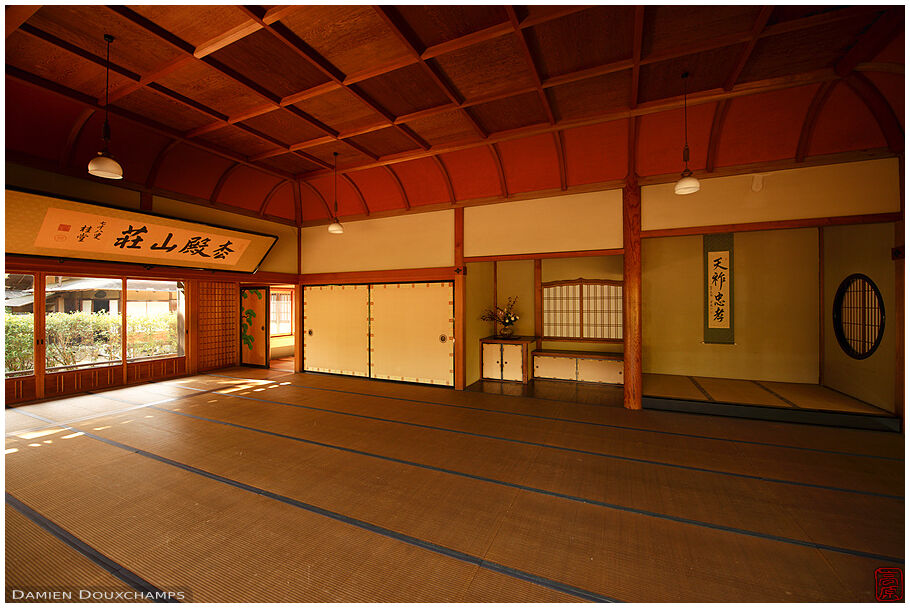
889 585
64 227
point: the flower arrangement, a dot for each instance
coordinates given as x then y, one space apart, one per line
504 316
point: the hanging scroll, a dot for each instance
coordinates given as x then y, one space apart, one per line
50 226
718 265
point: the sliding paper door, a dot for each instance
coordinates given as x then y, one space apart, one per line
336 329
413 332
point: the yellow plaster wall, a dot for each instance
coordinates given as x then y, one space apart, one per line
775 303
420 240
825 191
862 249
573 222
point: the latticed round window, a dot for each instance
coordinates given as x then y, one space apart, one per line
859 316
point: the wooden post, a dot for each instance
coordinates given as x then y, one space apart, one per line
821 305
145 200
538 302
631 293
460 302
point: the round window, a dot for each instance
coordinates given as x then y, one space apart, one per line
859 316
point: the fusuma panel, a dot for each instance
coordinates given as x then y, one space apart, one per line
336 329
413 330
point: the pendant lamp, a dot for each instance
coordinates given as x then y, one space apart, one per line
104 164
687 183
335 227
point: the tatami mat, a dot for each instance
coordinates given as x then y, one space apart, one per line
37 561
813 396
667 385
739 391
549 489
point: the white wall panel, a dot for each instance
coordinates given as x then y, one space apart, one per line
409 321
338 317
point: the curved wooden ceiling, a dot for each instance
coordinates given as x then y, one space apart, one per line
243 107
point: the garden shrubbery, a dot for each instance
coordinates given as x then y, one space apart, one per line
88 337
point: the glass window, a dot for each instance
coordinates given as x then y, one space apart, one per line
19 309
155 323
280 315
82 322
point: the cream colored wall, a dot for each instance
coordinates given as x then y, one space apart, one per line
516 278
62 185
479 297
826 191
420 240
864 249
574 222
282 257
775 302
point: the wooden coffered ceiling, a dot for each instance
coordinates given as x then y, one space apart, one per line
244 107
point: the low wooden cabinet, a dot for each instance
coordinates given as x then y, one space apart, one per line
506 358
580 366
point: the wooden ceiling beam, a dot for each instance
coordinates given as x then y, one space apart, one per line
363 201
760 22
328 209
497 159
445 176
872 41
814 109
638 28
298 215
66 154
268 197
220 183
651 107
17 15
559 13
529 60
881 110
717 127
560 144
826 18
633 147
404 195
86 100
159 159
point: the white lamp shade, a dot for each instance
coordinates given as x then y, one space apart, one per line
687 185
336 228
105 166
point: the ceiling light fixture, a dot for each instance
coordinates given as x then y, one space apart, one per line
104 164
687 183
335 227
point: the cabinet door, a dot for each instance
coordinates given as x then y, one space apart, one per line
600 370
512 362
413 330
559 368
336 329
492 362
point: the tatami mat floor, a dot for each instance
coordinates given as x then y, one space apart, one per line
753 392
264 485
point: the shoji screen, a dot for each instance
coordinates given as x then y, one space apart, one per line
336 329
413 331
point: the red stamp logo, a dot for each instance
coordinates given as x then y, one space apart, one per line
889 585
64 227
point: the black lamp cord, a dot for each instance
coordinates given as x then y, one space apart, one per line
335 185
106 131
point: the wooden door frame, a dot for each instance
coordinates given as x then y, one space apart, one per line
267 326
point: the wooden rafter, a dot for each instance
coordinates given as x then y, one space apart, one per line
86 100
363 201
559 142
298 216
633 147
497 159
268 197
638 26
760 22
717 127
17 15
815 108
529 60
445 176
872 41
404 195
881 110
328 209
66 154
221 181
159 159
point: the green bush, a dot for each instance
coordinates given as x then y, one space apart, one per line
88 337
20 339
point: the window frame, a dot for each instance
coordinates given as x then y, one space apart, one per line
272 308
580 283
838 320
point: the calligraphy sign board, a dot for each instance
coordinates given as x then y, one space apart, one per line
54 227
718 266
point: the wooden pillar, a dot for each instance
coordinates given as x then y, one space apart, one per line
631 293
460 302
145 200
538 302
